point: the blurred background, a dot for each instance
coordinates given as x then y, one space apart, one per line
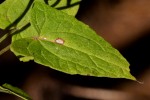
123 23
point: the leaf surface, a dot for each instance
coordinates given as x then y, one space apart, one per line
10 11
69 6
63 43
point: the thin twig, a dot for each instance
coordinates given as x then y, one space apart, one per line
4 37
4 49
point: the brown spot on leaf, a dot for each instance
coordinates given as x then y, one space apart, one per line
59 41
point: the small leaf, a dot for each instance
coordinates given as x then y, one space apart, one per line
63 43
69 6
7 88
10 11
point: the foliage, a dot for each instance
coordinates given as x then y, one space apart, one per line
47 32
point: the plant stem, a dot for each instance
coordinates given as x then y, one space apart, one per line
7 33
4 49
4 37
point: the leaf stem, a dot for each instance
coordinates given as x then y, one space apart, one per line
4 49
4 37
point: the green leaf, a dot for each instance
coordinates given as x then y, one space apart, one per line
11 10
63 43
69 6
7 88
